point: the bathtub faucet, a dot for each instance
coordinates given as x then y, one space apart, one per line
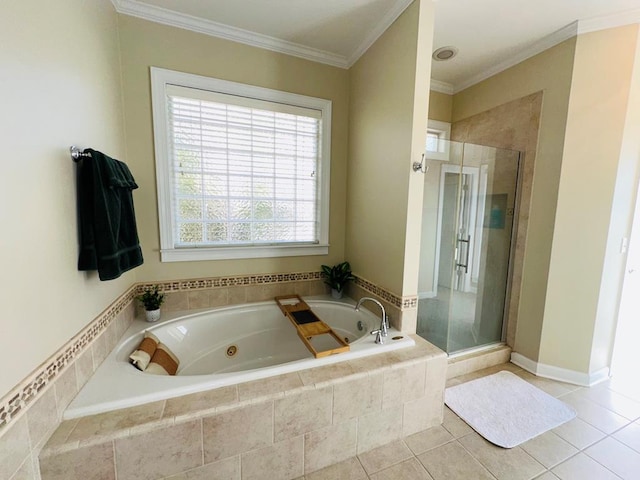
381 332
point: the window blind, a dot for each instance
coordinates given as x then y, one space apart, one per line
244 171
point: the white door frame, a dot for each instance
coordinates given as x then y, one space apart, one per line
474 172
628 323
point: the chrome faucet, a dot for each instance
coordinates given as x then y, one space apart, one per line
381 332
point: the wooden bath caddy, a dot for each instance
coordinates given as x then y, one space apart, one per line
308 326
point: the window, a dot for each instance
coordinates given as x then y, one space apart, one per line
437 146
242 171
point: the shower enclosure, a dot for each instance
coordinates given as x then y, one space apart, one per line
467 227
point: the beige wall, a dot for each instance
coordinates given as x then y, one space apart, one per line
61 86
387 125
145 44
440 106
549 72
586 263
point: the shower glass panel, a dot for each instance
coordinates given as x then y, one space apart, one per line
467 226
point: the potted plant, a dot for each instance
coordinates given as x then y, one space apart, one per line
152 299
337 277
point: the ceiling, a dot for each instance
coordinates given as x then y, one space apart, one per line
490 35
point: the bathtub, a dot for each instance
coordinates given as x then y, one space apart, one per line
225 346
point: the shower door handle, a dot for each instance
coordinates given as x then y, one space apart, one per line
465 265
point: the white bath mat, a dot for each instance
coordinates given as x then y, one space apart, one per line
505 409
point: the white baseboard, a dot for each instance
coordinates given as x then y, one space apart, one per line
560 374
523 362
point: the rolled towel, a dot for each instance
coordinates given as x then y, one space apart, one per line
163 362
143 354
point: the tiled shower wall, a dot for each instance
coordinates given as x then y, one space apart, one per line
26 419
513 125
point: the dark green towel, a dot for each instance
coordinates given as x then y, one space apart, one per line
108 235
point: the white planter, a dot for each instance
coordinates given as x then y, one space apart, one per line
152 315
336 293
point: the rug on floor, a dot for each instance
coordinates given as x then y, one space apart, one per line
505 409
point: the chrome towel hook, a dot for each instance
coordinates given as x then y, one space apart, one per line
76 154
420 166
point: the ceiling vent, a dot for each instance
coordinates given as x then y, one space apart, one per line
444 53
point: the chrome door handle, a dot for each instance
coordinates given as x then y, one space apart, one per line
465 265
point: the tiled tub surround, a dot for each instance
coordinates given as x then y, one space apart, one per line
33 410
287 425
402 311
220 291
265 342
25 412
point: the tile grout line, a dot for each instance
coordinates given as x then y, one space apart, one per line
600 441
303 455
549 470
201 439
115 464
580 450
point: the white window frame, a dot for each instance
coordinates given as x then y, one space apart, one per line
160 78
443 131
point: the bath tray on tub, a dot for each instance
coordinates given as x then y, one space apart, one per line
317 336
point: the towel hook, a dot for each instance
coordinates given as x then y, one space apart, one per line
76 154
420 166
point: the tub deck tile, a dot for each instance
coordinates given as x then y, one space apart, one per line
111 424
321 376
379 428
298 414
201 403
95 462
269 386
59 438
421 351
283 460
154 425
236 401
227 469
330 445
360 397
164 452
237 431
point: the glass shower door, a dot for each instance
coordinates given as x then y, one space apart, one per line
465 251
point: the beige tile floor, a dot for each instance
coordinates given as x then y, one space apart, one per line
602 443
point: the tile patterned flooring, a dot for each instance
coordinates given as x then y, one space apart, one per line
602 443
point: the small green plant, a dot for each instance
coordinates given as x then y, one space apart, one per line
337 276
151 298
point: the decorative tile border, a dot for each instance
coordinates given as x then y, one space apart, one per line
244 280
247 280
25 393
393 299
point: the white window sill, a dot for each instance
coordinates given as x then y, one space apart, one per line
230 253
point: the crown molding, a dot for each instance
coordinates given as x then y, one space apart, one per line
609 21
215 29
442 87
540 46
576 28
391 16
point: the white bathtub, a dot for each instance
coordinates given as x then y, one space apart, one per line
265 341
